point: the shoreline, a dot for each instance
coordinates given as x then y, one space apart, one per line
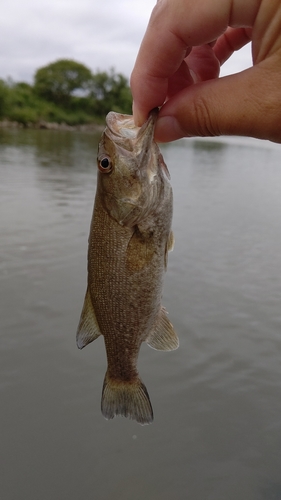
43 125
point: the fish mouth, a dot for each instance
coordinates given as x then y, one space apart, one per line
121 130
144 147
146 132
121 127
136 142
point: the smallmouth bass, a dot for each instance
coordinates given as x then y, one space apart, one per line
129 240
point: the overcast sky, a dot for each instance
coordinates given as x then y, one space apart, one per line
98 33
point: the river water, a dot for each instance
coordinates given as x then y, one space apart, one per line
217 399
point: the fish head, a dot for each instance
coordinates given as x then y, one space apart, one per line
132 175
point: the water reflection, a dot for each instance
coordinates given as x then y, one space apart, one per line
68 149
208 146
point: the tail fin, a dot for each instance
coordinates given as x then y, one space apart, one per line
129 399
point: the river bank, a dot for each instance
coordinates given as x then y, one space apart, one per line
86 127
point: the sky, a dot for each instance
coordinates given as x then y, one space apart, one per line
98 33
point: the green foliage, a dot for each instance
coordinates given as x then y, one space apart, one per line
59 80
4 93
111 92
23 105
65 92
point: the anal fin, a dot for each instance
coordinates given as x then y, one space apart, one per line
88 328
163 336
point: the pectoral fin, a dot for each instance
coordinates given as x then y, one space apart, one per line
163 336
88 328
140 250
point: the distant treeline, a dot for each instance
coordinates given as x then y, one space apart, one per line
65 92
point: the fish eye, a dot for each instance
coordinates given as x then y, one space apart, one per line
105 165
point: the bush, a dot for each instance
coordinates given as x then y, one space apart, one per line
23 115
4 96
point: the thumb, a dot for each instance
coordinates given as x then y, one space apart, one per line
246 104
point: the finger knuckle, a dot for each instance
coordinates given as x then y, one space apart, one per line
204 119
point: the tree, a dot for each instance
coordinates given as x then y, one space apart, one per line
58 81
4 94
111 92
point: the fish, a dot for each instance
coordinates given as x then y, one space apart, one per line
130 236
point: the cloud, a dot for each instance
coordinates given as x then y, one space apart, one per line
98 33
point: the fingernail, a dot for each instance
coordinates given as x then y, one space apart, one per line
136 115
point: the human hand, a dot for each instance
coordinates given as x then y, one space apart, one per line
179 60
